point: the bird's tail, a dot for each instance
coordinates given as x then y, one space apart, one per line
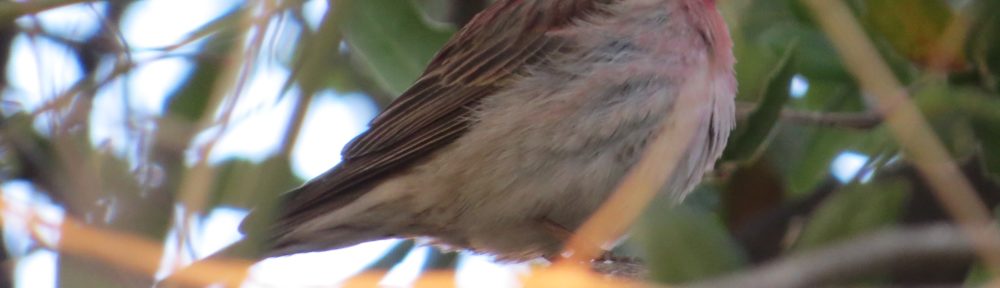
228 267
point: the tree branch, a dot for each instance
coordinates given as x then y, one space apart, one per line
855 120
862 256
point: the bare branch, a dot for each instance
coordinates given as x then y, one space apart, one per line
862 256
854 120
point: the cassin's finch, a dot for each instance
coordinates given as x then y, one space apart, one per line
520 127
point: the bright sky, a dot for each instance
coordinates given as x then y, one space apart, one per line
44 68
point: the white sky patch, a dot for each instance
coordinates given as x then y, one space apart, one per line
332 121
799 86
477 271
37 270
160 23
280 45
109 124
259 120
847 165
17 196
407 271
320 269
22 199
313 11
151 83
40 69
218 229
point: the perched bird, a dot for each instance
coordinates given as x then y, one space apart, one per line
520 127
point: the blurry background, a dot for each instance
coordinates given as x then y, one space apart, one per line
168 119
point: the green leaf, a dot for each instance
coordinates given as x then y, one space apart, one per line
706 196
317 57
962 116
134 212
749 137
242 183
988 134
984 44
755 63
392 37
814 164
854 210
28 154
761 15
682 244
190 102
814 148
815 57
978 104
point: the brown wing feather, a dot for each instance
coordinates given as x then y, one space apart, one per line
496 45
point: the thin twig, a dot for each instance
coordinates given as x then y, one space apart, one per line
920 145
195 185
853 120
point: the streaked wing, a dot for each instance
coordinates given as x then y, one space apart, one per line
482 58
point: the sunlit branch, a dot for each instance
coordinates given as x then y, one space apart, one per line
854 120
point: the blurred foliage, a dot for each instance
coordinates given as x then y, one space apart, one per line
683 244
914 28
776 183
747 139
391 37
854 210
